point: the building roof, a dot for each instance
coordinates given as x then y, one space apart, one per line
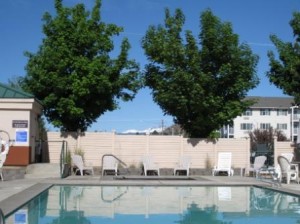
9 92
272 102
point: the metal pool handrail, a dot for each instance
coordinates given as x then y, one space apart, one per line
123 163
115 198
9 142
2 217
63 157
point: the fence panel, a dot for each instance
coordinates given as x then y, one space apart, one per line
165 149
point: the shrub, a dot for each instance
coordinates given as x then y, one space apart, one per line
79 151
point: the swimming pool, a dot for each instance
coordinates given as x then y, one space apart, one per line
153 204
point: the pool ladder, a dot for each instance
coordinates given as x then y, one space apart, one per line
119 160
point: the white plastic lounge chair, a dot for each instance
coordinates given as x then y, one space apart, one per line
290 158
224 164
3 156
259 162
288 155
287 171
224 193
76 192
78 162
149 165
110 164
2 160
184 165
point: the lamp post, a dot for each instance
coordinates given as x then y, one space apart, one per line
292 122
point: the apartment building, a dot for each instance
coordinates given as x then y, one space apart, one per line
277 112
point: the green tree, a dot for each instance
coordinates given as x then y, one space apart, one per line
15 82
196 215
73 73
201 83
285 71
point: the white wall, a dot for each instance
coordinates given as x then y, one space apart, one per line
256 119
26 110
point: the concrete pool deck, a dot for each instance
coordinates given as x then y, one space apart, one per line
15 193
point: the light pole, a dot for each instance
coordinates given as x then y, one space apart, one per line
292 122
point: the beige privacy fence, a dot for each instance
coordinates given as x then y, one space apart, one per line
166 150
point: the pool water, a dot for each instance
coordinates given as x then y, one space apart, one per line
140 204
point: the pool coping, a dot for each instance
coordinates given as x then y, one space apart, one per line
18 199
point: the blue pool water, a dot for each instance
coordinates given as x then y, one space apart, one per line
140 204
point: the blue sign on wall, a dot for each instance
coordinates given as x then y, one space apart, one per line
21 136
20 217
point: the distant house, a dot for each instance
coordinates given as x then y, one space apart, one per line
19 112
276 112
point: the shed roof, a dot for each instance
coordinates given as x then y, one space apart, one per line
9 92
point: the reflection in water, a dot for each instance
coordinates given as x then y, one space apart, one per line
196 215
183 205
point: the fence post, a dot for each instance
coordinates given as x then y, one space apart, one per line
113 142
181 145
275 153
215 154
248 153
147 143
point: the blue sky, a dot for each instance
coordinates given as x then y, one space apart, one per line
252 20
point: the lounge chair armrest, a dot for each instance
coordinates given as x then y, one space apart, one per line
295 167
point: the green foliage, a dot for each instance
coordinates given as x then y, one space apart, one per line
214 135
42 128
175 129
285 71
80 152
72 72
201 83
15 82
68 158
259 136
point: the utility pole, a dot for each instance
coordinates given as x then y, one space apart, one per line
162 126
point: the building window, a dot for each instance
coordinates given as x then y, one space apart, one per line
246 126
296 127
296 114
265 112
265 126
282 112
282 126
248 112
